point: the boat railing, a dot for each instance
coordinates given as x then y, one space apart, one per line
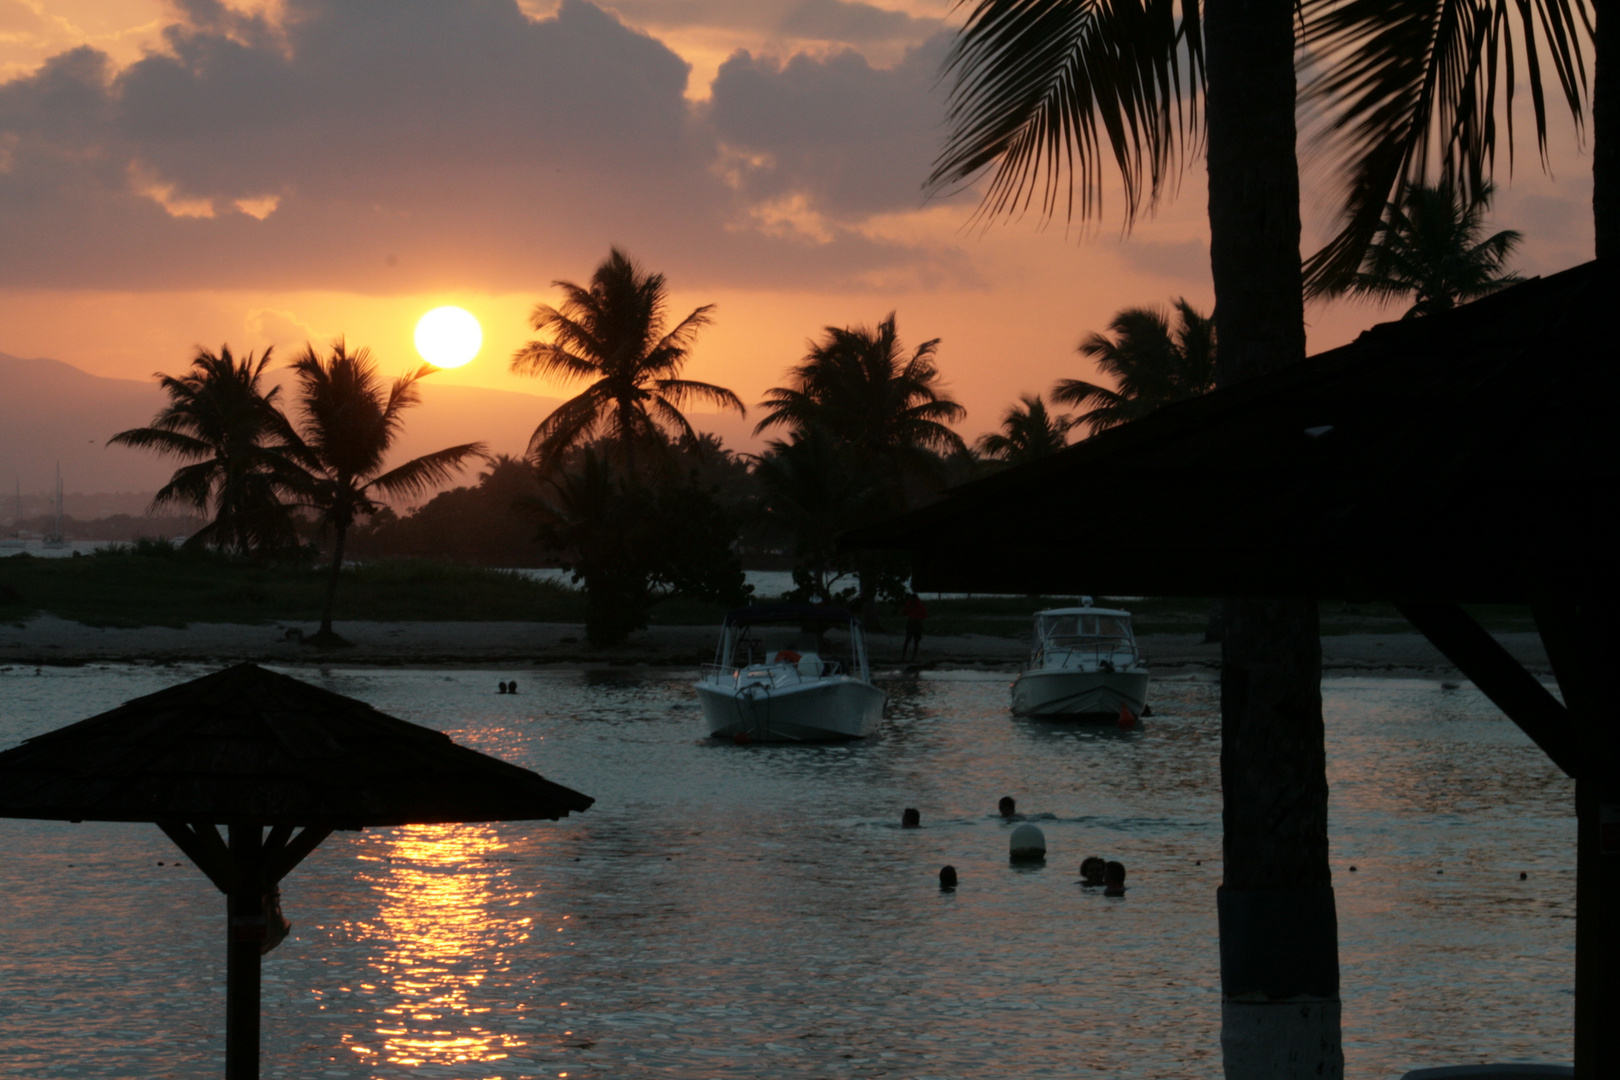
773 674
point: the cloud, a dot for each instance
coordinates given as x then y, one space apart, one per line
847 138
847 21
282 330
380 147
841 20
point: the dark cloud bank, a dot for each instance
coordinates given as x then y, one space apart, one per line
393 145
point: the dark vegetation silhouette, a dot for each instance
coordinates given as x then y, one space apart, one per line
1151 362
1029 431
612 332
227 427
492 522
632 544
1432 249
873 420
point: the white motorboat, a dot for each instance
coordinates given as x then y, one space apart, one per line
790 673
1085 665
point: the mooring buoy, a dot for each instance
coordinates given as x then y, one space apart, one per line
1027 844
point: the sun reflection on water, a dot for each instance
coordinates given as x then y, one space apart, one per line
449 919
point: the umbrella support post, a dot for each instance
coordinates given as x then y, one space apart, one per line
245 933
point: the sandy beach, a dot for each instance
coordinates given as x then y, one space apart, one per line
47 639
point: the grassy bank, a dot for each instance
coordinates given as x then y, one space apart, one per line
127 588
159 587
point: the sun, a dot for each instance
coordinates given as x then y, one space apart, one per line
448 337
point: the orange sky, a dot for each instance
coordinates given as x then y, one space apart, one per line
264 174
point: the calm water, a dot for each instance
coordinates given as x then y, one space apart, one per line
756 912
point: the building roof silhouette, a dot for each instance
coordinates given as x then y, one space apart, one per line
1451 457
250 746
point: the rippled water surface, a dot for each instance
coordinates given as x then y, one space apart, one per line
756 911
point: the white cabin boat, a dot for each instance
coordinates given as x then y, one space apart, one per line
1085 665
790 673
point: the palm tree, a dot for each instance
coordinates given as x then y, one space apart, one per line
1041 85
858 385
814 491
222 420
1151 363
1028 431
859 404
1431 248
349 423
612 332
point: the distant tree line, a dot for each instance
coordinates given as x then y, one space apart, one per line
619 488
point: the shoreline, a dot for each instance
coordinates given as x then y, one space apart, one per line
47 640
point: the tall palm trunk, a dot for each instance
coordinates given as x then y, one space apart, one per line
326 632
1279 952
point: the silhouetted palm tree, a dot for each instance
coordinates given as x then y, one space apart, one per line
349 421
1028 431
222 420
612 332
1432 249
1151 362
858 385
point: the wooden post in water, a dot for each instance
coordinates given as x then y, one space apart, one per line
245 933
1582 736
1577 626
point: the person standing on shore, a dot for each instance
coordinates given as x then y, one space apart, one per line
915 612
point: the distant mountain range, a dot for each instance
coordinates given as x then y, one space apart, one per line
52 412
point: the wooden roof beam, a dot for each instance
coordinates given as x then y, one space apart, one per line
1511 688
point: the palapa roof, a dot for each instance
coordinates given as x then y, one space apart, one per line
1452 457
246 746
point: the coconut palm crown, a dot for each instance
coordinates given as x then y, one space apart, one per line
350 420
1432 249
223 421
1028 431
612 332
859 386
1151 363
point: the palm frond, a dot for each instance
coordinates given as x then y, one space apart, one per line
1408 89
1047 92
1078 392
420 475
569 424
680 391
551 359
168 443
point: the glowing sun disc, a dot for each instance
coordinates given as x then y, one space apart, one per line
448 337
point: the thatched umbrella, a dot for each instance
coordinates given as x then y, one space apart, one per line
253 750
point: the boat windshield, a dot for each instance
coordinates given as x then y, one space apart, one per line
1088 628
767 644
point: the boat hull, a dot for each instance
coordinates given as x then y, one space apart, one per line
813 711
1079 695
